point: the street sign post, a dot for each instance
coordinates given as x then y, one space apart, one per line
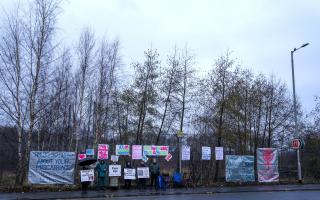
298 144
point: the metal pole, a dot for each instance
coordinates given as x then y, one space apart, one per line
180 154
295 118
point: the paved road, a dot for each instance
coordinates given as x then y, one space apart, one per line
292 195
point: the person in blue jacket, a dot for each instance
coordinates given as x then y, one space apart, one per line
102 174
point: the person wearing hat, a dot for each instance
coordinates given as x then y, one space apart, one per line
102 173
155 172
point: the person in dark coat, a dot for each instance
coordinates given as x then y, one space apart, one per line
142 181
102 174
127 182
154 172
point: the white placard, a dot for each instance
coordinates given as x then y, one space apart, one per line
129 174
185 153
114 170
143 172
206 153
114 158
219 153
87 175
136 152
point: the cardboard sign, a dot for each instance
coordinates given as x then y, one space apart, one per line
114 158
219 153
206 153
90 152
122 150
129 174
136 152
81 156
87 175
143 172
185 153
168 157
103 151
114 170
152 150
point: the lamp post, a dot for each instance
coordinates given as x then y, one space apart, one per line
295 110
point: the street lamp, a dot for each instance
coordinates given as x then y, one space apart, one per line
295 110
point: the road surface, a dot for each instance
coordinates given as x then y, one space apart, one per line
289 195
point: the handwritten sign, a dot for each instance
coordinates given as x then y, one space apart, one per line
206 153
114 170
185 153
219 153
114 158
87 175
123 150
152 150
103 151
81 156
168 157
90 152
51 167
129 174
143 172
239 168
136 152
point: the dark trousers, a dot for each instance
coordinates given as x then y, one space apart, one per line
127 184
154 179
142 183
102 183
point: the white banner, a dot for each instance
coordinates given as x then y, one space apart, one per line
51 167
143 172
219 153
206 153
185 153
129 174
114 170
87 175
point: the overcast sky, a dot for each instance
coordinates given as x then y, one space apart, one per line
259 33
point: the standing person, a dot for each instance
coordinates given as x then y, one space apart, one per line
142 181
85 184
127 182
155 172
102 173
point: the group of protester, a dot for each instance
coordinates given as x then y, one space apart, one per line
101 169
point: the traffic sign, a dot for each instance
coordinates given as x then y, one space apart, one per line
296 144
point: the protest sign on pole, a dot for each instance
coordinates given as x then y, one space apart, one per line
129 174
122 150
114 158
90 152
114 170
144 158
136 152
51 167
219 153
267 165
168 157
87 175
185 153
206 153
103 151
239 168
143 172
153 150
81 156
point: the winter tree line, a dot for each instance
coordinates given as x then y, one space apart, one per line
69 98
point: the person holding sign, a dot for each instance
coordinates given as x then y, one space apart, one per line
127 182
155 172
142 180
102 173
